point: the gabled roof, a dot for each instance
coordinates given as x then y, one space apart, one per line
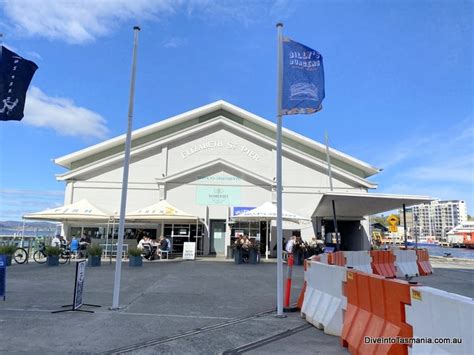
220 163
172 126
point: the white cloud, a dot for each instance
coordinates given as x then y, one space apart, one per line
175 42
82 21
62 115
16 202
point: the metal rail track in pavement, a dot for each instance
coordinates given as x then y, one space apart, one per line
190 333
261 342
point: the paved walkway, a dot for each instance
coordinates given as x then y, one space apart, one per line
175 307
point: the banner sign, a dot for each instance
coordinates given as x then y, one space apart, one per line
189 251
236 211
15 77
3 276
79 284
303 79
218 195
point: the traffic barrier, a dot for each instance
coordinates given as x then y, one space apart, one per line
375 312
383 263
436 314
323 299
324 258
405 262
359 260
337 258
299 303
423 262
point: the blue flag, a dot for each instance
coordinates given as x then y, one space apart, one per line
15 77
303 79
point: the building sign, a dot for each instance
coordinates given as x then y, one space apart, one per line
218 195
236 211
220 144
189 251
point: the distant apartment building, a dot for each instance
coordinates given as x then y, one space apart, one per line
434 219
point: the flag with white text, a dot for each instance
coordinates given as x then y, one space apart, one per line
303 79
15 77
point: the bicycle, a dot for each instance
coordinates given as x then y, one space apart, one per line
40 255
20 255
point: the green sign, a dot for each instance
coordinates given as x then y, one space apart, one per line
218 195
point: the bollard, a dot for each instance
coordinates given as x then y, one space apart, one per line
286 306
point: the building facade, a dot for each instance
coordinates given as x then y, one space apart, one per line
436 218
213 162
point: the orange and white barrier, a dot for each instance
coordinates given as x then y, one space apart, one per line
423 262
447 319
375 310
337 258
324 258
323 299
359 260
383 263
405 263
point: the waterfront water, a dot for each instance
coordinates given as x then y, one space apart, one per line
455 252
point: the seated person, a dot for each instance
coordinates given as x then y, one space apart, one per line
148 246
74 246
56 242
163 245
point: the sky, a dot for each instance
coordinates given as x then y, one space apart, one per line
399 82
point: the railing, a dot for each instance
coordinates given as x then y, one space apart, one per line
110 250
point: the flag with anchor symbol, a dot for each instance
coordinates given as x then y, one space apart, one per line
15 77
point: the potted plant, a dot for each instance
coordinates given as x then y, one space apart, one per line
134 257
53 255
8 250
238 253
254 249
94 253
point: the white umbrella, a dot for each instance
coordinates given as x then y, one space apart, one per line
82 210
268 212
161 211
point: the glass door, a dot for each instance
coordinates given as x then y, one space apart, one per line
217 231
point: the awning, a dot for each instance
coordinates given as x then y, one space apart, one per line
82 210
268 212
357 205
161 211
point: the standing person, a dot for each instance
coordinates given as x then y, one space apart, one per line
56 242
290 245
84 242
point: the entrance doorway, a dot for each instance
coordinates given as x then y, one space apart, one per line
217 236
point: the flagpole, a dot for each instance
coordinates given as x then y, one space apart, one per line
123 203
278 176
330 186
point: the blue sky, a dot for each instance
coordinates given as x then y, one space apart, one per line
399 82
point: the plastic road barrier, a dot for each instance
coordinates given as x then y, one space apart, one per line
324 258
423 262
323 299
383 263
359 260
299 303
375 311
405 262
447 319
337 258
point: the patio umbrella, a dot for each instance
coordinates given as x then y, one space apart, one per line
82 210
161 211
268 212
